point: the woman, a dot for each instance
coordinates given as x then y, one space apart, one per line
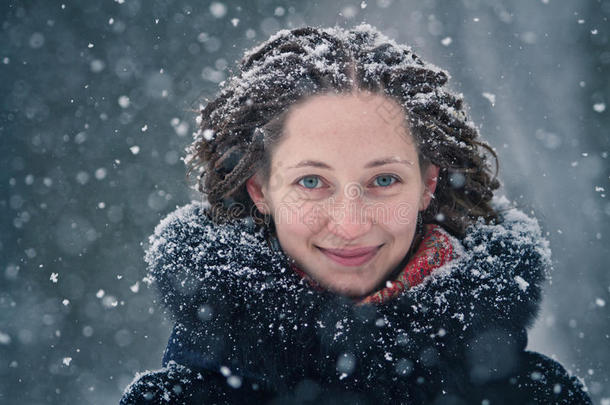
349 249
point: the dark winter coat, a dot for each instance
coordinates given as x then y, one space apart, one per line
249 330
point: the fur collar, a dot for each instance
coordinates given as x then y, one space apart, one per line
238 304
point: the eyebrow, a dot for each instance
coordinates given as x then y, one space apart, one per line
373 163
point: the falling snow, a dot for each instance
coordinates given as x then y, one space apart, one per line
99 107
491 97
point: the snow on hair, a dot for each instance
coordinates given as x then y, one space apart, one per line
239 128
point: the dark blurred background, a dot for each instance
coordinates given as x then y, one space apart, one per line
96 110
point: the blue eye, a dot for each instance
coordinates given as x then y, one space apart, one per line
385 180
309 182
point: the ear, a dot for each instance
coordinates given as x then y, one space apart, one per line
430 180
257 193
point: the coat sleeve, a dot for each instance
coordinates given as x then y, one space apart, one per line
540 380
550 382
180 385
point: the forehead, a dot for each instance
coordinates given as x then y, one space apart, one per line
360 125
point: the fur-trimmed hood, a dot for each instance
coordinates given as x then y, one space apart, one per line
238 304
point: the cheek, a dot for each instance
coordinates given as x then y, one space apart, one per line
398 215
300 216
295 237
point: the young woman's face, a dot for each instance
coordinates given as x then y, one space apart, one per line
345 189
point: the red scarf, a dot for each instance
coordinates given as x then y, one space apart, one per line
434 251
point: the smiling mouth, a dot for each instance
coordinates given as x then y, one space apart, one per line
351 257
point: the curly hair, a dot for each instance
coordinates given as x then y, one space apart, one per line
239 128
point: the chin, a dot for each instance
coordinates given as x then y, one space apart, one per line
352 290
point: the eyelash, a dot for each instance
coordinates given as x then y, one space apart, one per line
396 178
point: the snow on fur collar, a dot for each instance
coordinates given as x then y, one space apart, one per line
237 303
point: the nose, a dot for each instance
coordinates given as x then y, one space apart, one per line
348 218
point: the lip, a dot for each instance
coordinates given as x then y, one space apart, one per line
351 257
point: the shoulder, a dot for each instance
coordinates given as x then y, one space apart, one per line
550 380
177 384
170 383
538 380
